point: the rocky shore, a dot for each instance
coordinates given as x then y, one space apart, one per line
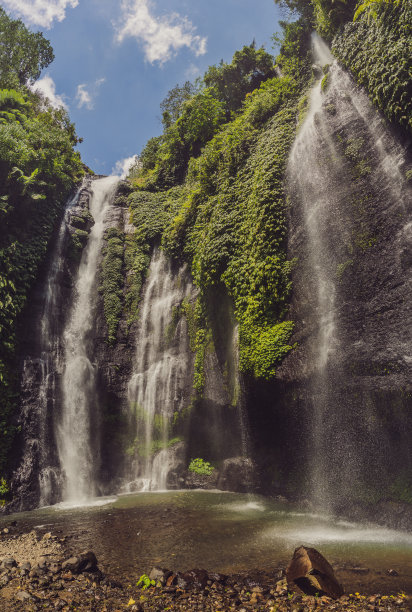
40 572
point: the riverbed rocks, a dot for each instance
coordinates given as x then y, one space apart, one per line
195 590
70 580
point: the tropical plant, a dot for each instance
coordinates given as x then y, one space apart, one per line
201 467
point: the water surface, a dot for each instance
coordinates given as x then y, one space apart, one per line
225 532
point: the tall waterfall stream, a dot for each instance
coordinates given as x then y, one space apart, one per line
328 193
78 427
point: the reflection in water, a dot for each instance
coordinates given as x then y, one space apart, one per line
225 532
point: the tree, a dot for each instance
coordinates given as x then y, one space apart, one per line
23 54
231 82
172 105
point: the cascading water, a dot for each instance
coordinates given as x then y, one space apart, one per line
77 432
156 389
40 374
342 156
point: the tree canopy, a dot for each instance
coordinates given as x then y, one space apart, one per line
231 82
23 54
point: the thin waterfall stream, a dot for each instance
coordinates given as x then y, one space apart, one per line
156 388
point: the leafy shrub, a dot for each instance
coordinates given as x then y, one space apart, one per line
144 582
201 467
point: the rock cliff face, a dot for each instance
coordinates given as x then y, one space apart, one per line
341 405
145 421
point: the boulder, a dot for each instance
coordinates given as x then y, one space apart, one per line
312 574
196 578
71 564
85 562
237 474
23 596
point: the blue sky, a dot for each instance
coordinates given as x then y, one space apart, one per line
117 59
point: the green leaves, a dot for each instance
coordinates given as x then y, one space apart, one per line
371 8
201 467
23 54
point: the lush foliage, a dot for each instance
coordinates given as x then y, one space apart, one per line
112 280
232 82
200 466
192 115
38 169
327 16
378 53
228 219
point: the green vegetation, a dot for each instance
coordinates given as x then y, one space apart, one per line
4 492
200 466
23 54
224 210
378 53
38 170
373 39
144 582
112 280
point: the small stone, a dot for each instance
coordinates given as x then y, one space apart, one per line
6 530
8 563
359 570
392 572
71 564
23 596
47 536
159 575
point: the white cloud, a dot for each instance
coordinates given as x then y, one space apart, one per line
47 88
161 37
86 95
123 166
40 12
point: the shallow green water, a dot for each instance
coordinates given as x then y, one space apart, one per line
224 532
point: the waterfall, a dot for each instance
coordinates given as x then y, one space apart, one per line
49 477
78 428
342 158
156 388
40 374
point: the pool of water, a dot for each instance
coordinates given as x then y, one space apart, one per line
225 532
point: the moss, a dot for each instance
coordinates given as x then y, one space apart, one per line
341 268
228 218
325 82
111 278
78 240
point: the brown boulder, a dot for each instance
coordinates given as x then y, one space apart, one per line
312 574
